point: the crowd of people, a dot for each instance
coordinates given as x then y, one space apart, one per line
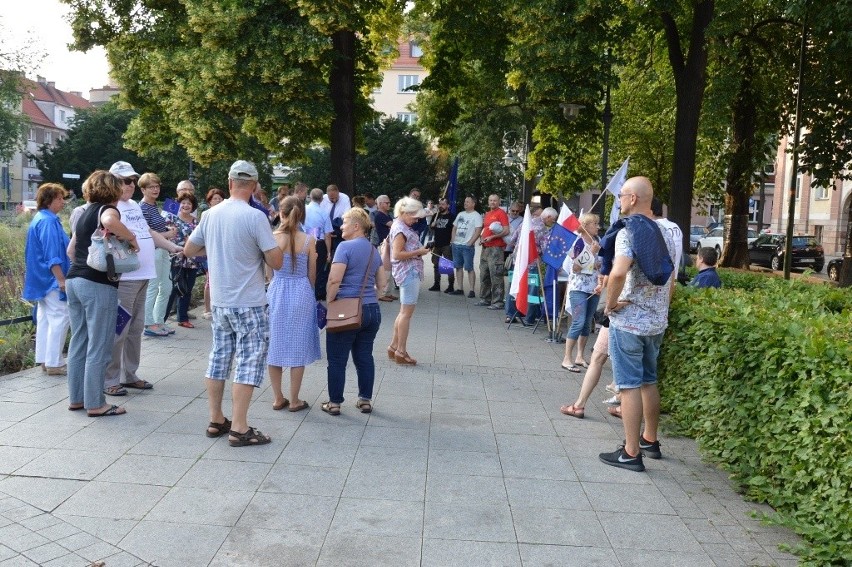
269 263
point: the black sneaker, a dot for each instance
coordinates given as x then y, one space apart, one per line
435 287
650 450
450 290
471 295
622 460
457 292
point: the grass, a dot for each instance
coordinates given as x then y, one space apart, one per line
16 341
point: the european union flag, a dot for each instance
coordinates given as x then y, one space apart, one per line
558 246
171 206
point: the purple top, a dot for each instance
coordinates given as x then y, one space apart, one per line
401 269
356 254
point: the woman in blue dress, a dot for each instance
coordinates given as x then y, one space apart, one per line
293 332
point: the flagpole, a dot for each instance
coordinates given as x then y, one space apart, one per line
541 294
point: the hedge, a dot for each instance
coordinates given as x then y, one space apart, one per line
760 373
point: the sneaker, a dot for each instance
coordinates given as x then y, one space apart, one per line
450 290
207 315
613 402
496 307
612 388
155 331
471 295
622 460
482 303
457 292
650 450
435 287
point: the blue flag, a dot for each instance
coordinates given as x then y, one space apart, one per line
257 205
558 246
171 206
453 186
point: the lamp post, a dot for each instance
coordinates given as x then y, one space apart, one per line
516 150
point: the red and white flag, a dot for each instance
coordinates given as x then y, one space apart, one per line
525 254
568 219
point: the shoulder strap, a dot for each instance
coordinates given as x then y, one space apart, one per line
366 272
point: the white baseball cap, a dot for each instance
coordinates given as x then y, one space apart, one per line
242 169
123 169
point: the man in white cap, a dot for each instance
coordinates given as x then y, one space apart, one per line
237 240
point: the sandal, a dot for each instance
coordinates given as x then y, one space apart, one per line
572 368
330 408
615 412
75 407
251 437
221 428
364 405
283 405
304 406
139 385
113 410
404 358
115 391
391 352
582 363
573 411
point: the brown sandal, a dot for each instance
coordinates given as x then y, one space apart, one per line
364 405
330 408
391 352
615 412
283 405
221 428
573 411
404 358
251 437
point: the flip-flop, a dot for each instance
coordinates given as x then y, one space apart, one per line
572 368
285 404
115 391
304 406
582 363
113 410
78 408
139 385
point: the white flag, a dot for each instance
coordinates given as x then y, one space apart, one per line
614 187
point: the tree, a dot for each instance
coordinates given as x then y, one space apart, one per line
14 62
234 79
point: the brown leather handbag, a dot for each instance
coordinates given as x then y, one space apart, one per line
344 314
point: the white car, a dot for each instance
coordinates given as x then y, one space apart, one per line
716 239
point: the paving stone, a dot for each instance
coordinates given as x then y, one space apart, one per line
372 550
302 479
19 538
395 484
558 526
43 493
535 555
299 512
110 530
146 470
222 506
185 445
257 546
97 500
68 464
481 521
648 531
546 493
612 497
636 558
464 462
377 517
464 489
390 458
166 544
44 553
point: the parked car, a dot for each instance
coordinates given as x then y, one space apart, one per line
716 239
834 269
696 231
768 250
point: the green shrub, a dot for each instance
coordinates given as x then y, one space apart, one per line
767 393
15 340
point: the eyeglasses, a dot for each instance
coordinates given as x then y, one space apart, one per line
154 186
626 195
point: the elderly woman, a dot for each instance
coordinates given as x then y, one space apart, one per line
214 197
583 291
93 299
44 281
353 258
184 221
160 287
407 270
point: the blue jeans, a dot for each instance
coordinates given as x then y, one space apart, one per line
93 308
182 302
360 344
583 307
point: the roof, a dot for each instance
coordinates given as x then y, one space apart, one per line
46 92
34 113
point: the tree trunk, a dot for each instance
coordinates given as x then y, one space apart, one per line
690 74
740 168
846 267
342 92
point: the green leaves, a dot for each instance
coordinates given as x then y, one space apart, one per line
768 392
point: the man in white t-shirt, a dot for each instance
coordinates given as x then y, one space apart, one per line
671 232
120 373
467 227
237 240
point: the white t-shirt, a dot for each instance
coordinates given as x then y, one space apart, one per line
133 219
466 224
674 240
235 236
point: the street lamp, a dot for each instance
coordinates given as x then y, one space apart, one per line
516 149
607 122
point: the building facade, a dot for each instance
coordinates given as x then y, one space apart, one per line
396 96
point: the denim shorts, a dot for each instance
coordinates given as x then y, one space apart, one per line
634 358
463 257
409 290
241 335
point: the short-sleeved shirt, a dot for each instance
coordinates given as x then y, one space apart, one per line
134 220
647 312
235 236
497 215
674 240
356 254
442 226
87 222
586 280
466 224
402 269
317 222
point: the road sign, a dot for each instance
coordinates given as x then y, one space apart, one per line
70 176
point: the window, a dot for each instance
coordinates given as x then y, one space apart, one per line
31 162
818 232
407 117
416 50
820 193
408 81
31 135
48 137
62 116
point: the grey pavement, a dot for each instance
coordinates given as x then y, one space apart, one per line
465 460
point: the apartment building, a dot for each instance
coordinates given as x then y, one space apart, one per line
395 97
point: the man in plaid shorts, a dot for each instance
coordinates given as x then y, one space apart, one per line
237 240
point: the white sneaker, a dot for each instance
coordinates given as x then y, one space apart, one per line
207 315
612 388
612 402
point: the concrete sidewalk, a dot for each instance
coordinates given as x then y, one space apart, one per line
465 460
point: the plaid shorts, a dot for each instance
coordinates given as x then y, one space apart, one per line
241 334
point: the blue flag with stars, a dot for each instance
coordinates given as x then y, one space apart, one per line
558 246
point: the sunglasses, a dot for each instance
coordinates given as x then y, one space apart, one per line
127 181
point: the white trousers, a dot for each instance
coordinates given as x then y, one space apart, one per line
51 329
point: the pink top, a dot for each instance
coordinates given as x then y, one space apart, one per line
401 269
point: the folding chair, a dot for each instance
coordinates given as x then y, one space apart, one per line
534 297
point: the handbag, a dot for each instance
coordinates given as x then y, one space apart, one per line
345 314
385 253
179 274
109 254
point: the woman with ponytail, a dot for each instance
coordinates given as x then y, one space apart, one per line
293 332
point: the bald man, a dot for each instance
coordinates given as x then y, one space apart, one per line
638 314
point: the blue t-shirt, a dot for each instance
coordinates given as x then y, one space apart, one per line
706 278
356 254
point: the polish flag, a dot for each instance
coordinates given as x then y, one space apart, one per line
568 219
525 254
